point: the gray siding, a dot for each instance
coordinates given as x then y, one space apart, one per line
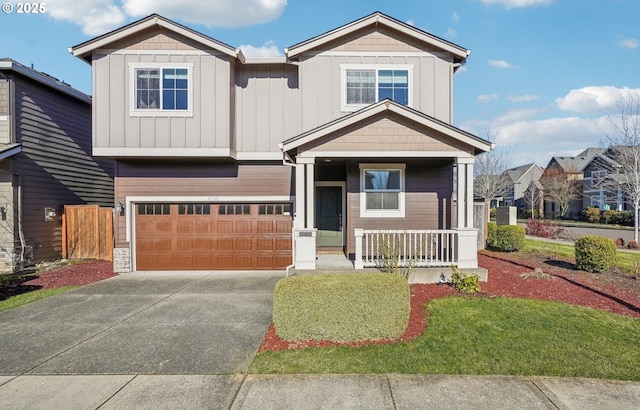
428 198
5 113
268 106
208 127
55 166
211 179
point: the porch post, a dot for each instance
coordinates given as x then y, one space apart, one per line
467 257
304 232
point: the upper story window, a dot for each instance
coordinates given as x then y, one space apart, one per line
365 85
161 90
382 190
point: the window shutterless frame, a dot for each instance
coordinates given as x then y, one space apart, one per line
161 89
362 84
382 190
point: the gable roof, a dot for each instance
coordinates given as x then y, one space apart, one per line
517 172
577 163
85 50
378 18
480 145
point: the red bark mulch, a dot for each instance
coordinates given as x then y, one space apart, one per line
615 293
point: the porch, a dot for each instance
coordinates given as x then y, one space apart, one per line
428 255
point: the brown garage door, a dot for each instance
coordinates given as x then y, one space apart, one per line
200 236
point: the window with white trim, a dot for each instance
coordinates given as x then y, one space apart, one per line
382 190
160 89
365 85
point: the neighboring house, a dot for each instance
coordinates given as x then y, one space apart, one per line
602 183
571 168
520 179
45 163
225 161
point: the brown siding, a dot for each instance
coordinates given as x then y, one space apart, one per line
5 134
55 166
428 203
198 178
386 133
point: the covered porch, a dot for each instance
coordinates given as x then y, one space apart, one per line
386 181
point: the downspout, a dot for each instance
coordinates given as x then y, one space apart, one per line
20 230
287 160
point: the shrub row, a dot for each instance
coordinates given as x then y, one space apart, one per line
613 217
505 238
341 307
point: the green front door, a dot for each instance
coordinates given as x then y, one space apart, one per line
329 216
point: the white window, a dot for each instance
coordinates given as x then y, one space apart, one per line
161 90
365 85
598 176
382 190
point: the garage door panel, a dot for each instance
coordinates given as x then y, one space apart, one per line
212 236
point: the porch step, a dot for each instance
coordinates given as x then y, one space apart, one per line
329 251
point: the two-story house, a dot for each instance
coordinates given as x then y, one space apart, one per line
45 163
524 190
229 162
603 183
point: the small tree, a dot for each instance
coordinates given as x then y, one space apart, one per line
560 187
490 179
532 197
624 137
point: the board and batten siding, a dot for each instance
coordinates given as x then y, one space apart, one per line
321 75
428 198
267 106
55 166
208 179
210 124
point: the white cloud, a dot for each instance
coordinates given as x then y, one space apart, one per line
451 33
517 115
100 16
523 98
500 64
94 16
455 18
511 4
219 13
630 43
410 22
267 50
487 98
594 99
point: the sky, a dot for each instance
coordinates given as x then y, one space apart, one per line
542 79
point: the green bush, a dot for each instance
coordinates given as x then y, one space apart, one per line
591 214
492 228
341 307
507 238
465 283
595 253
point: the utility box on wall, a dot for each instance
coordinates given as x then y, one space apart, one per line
506 215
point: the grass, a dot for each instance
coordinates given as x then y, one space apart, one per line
24 298
488 336
624 260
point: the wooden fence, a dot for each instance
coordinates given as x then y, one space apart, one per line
87 232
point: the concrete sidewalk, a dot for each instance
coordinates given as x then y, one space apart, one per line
237 391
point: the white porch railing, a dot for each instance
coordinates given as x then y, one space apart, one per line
416 248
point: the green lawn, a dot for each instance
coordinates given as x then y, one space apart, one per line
488 336
31 296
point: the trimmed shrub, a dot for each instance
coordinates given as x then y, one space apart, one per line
341 307
620 242
591 214
595 253
492 228
508 238
633 244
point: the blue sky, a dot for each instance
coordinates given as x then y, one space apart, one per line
543 75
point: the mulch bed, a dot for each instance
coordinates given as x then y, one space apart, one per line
509 276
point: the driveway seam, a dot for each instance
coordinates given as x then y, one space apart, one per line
110 327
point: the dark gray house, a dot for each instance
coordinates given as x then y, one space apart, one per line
45 163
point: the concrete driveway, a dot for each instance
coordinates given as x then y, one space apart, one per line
142 323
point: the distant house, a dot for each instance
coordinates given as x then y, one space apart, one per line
571 169
603 183
520 179
45 163
230 162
